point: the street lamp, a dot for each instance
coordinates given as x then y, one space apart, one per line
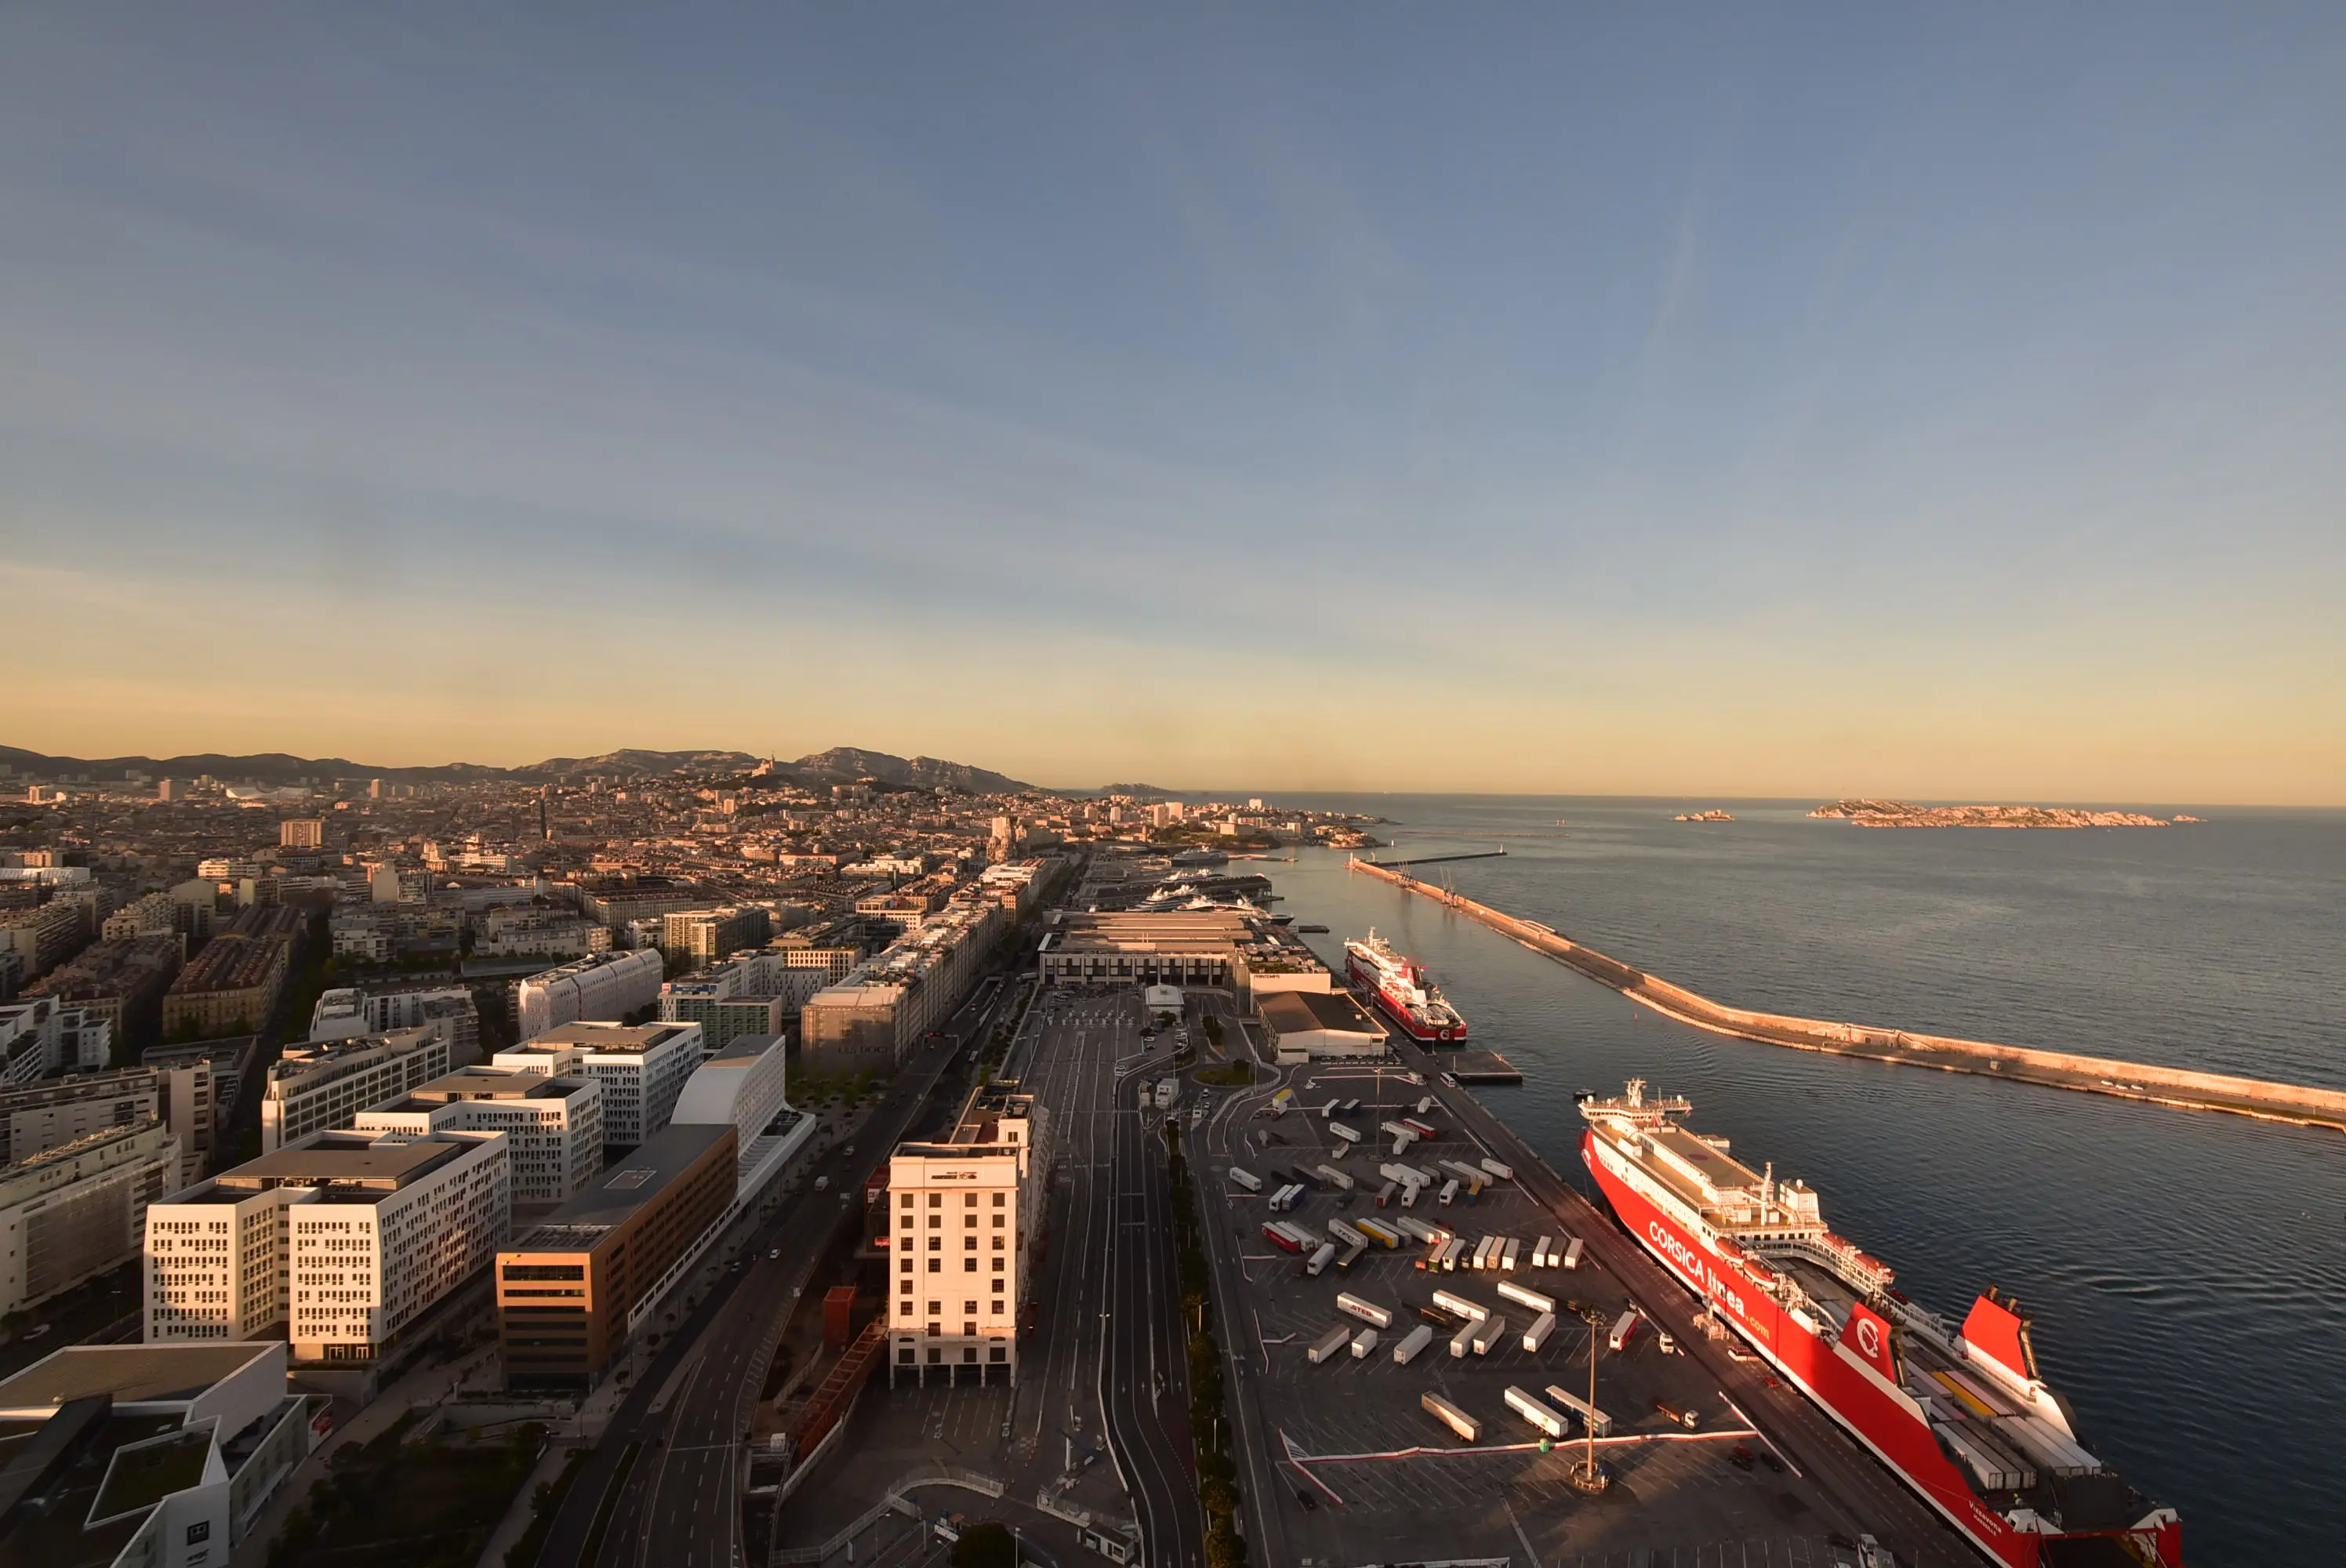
1589 1476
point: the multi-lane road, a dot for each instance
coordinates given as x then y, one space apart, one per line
674 1449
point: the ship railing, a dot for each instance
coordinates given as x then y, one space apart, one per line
1843 1258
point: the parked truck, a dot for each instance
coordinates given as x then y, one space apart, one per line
1366 1310
1536 1334
1525 1296
1247 1179
1546 1421
1459 1305
1598 1422
1625 1329
1328 1346
1321 1259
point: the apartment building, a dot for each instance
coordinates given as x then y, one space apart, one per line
232 985
301 832
573 1290
41 1036
342 1238
962 1212
605 986
704 936
448 1012
642 1069
122 981
315 1087
555 1125
44 1114
526 932
875 1015
45 935
69 1213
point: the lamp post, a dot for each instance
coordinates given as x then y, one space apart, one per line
1587 1476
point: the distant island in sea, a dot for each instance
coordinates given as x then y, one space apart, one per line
1902 814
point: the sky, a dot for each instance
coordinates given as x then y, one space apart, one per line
1739 400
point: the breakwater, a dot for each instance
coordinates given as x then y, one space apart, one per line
2180 1087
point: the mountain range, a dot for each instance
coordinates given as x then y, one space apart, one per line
839 764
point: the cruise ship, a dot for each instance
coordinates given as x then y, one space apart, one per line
1403 989
1961 1415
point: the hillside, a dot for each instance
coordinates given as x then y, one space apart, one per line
916 773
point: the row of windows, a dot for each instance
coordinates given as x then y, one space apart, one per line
968 1200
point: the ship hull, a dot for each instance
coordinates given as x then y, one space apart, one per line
1832 1379
1406 1018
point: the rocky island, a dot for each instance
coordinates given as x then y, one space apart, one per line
1713 815
1900 814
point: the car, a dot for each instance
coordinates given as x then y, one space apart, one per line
1767 1458
774 1255
1306 1499
1740 1456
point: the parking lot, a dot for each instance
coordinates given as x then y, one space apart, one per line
1384 1479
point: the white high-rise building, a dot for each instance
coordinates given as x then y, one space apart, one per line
962 1214
641 1068
315 1087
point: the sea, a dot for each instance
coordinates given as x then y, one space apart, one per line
2186 1271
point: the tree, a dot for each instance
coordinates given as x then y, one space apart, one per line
985 1545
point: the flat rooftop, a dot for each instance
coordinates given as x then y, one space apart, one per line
610 1039
745 1049
630 1183
1287 1011
488 1083
343 1160
131 1374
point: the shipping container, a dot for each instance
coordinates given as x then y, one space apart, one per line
1572 1254
1367 1311
1489 1332
1449 1191
1460 1307
1451 1416
1525 1296
1462 1342
1499 1168
1328 1345
1411 1343
1383 1236
1363 1343
1531 1411
1625 1329
1539 1252
1598 1422
1320 1261
1510 1253
1245 1179
1536 1334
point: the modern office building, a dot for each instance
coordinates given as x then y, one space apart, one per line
605 986
573 1290
554 1124
146 1456
962 1212
52 1111
704 936
744 1084
755 992
69 1213
315 1087
641 1067
343 1238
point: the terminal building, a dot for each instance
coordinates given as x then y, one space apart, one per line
571 1291
1244 955
962 1214
1320 1026
337 1241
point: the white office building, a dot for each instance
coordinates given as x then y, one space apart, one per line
555 1125
642 1069
602 985
743 1084
316 1087
342 1238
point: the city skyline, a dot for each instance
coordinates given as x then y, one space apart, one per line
1751 405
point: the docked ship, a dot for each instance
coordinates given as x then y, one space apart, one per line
1403 989
1961 1416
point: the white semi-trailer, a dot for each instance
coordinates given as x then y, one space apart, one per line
1245 1179
1536 1334
1344 1133
1598 1422
1572 1254
1366 1310
1499 1168
1320 1260
1411 1343
1328 1345
1539 1415
1490 1331
1451 1416
1525 1296
1363 1343
1458 1306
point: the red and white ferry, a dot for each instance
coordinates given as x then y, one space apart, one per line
1403 989
1962 1417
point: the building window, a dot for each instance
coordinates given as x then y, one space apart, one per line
969 1265
936 1200
997 1203
997 1265
998 1353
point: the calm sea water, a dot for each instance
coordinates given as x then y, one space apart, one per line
2185 1272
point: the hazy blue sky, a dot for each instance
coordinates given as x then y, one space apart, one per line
1737 400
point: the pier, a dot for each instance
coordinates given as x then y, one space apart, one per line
2181 1087
1434 859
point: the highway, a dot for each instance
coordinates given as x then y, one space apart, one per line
678 1433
